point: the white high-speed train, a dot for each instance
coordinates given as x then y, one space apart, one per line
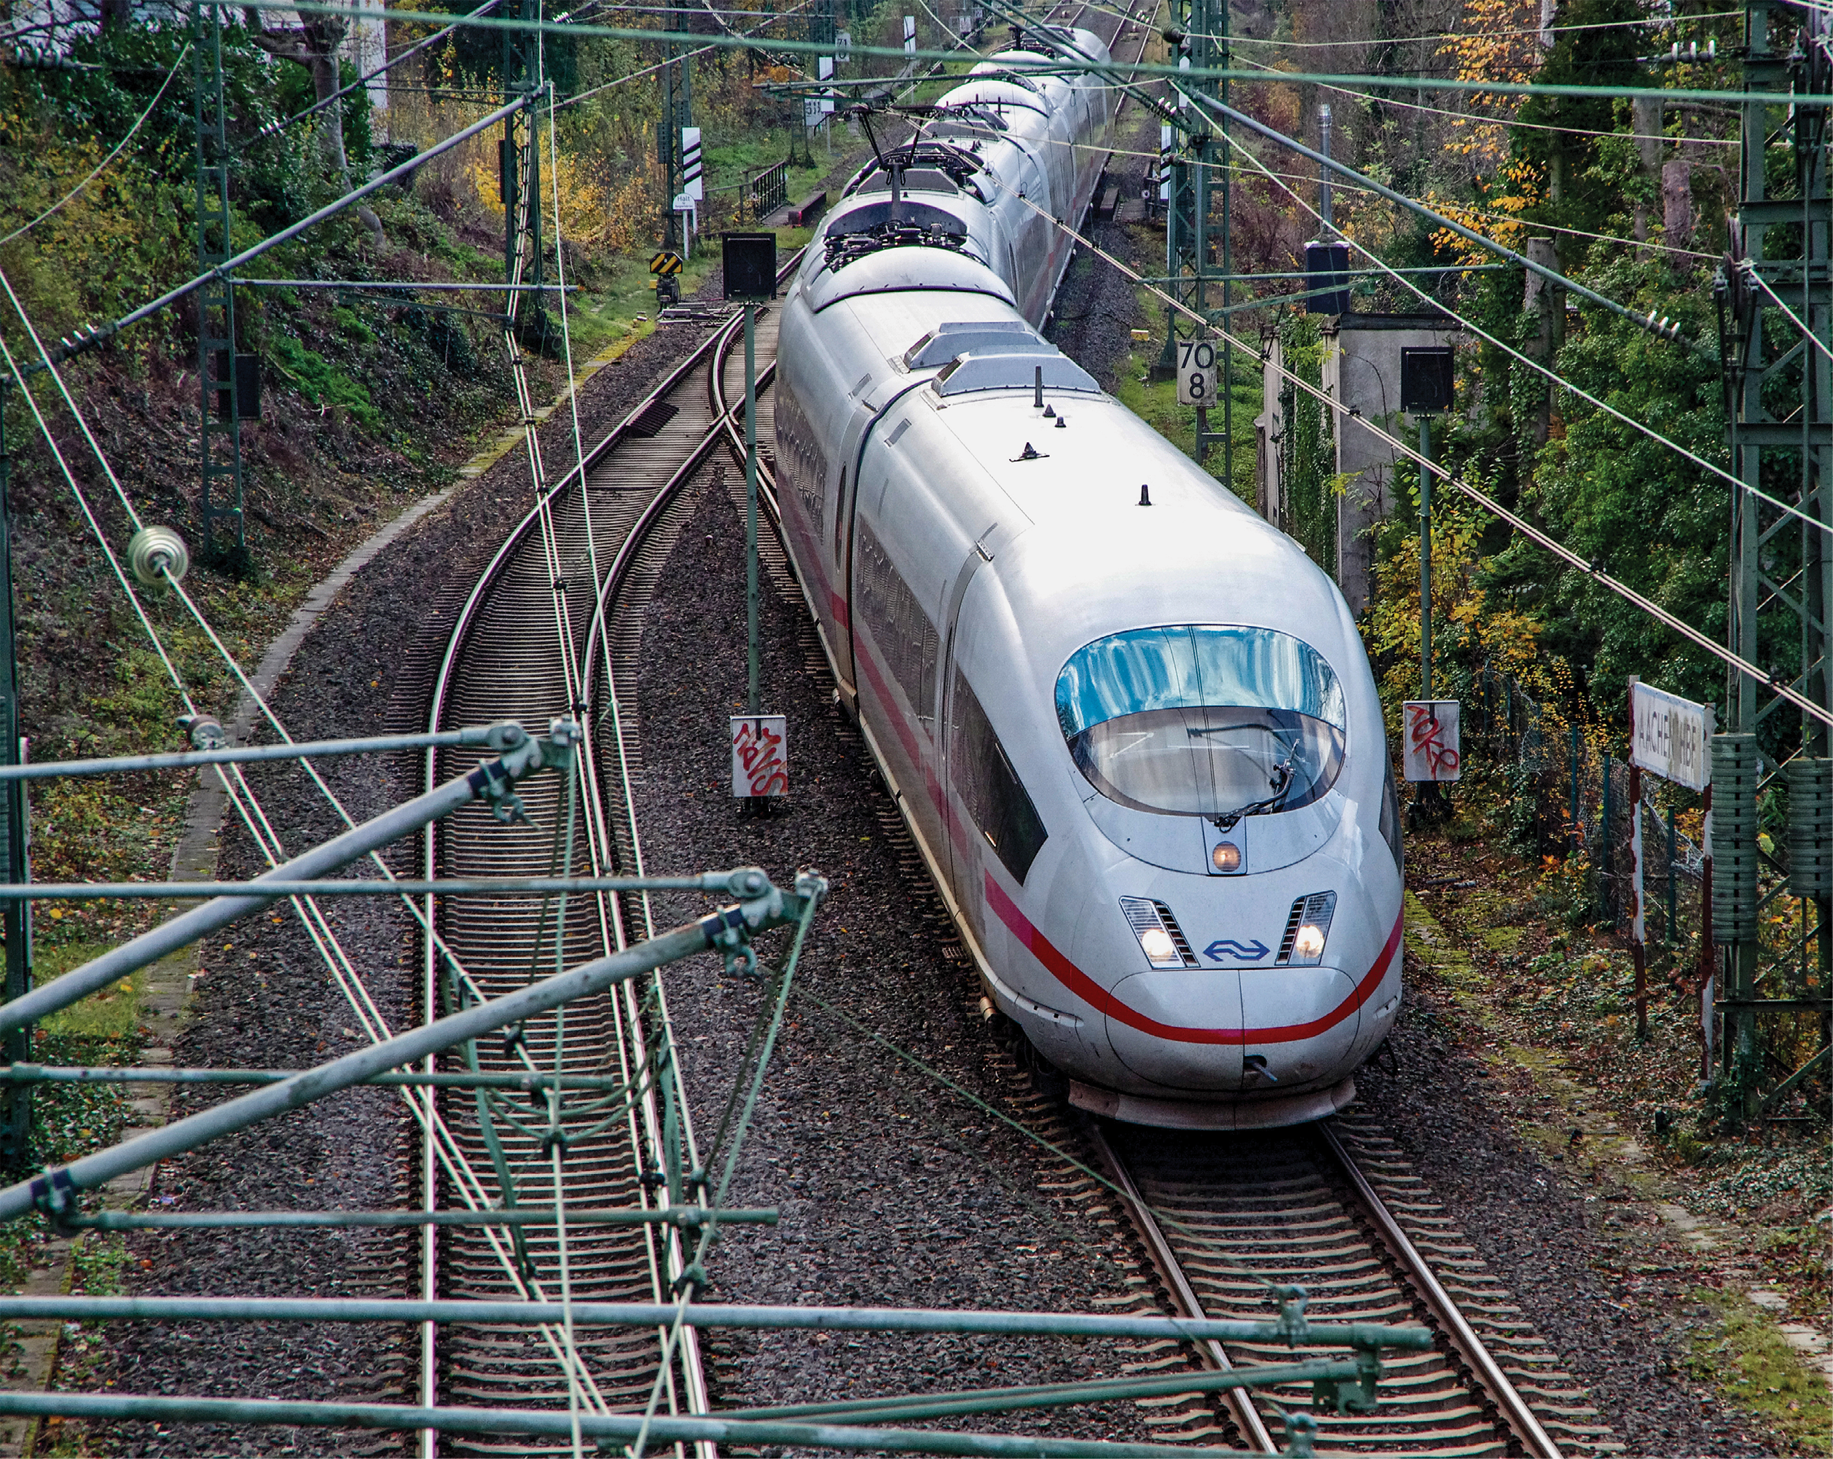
1131 725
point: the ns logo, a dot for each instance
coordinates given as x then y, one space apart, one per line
1225 949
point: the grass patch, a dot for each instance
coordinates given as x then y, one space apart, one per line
112 1015
1752 1365
318 380
1157 406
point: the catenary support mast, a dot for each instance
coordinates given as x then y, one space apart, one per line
1776 323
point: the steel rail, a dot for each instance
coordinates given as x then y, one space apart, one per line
1240 1403
1258 1234
601 842
599 653
1443 1309
518 542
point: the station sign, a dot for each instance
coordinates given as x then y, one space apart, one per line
760 755
1672 737
1430 750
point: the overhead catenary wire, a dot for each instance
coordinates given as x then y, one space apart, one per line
1482 498
248 808
636 75
1236 39
1648 245
1556 378
1755 276
1516 124
226 269
1387 40
1352 81
274 128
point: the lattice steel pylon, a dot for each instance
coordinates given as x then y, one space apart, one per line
220 495
523 75
1197 176
1776 334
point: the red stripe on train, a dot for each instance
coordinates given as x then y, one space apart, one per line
1091 993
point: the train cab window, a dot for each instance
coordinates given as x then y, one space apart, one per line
995 796
1204 720
1390 820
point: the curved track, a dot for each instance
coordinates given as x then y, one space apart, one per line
550 630
544 634
1333 1208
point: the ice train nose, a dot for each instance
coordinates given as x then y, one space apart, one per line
1194 1028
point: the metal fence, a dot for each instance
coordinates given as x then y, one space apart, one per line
766 191
1558 793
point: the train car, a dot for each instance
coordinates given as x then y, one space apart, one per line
1131 725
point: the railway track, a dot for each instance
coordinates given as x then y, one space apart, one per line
1334 1208
549 631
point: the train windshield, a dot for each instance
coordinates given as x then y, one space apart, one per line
1204 720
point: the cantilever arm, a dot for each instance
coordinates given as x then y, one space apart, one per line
491 779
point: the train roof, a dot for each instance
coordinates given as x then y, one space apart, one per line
1089 559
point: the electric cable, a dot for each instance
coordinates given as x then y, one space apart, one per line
1352 81
1656 21
317 927
636 75
1750 272
1515 124
97 170
275 128
1557 379
1482 498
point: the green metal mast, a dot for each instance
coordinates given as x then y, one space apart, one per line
16 917
1203 26
220 500
521 173
1779 389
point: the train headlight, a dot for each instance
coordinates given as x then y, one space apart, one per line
1160 938
1226 857
1307 930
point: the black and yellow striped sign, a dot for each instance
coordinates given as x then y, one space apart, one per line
667 264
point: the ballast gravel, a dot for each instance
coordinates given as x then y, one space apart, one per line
893 1188
265 999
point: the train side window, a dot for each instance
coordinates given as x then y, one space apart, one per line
905 637
995 796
